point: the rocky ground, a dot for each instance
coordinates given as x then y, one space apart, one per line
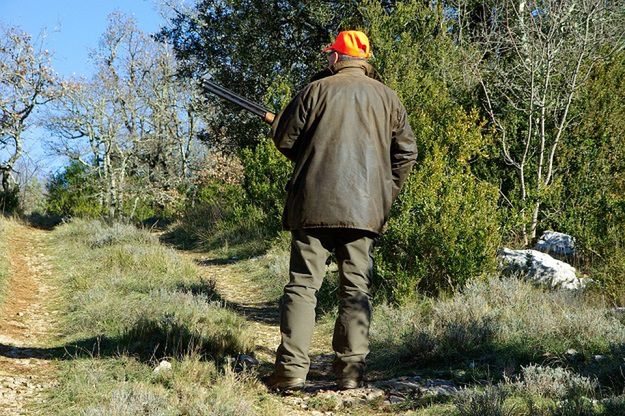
27 324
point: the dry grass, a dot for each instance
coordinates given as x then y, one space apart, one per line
507 318
6 224
124 386
142 302
131 302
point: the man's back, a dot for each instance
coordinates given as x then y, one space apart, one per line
341 131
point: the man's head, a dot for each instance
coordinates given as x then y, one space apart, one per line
349 44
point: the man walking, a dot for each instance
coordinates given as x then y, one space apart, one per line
349 137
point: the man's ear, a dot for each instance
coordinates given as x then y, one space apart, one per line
333 58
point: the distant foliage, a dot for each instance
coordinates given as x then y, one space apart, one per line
72 193
10 201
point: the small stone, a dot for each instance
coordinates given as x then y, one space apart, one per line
20 314
245 362
374 395
396 399
163 366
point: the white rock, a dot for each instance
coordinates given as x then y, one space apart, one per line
556 243
540 268
163 366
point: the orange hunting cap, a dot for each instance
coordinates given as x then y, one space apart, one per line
352 43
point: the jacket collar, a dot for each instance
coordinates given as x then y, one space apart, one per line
348 66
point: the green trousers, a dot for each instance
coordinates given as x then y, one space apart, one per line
310 248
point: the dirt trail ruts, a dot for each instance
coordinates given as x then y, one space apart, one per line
27 323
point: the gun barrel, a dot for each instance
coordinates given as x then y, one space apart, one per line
237 99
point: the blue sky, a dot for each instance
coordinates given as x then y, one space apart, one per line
71 28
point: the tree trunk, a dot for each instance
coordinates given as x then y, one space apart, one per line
534 224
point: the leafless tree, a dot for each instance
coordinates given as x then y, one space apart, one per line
26 82
134 124
534 57
29 173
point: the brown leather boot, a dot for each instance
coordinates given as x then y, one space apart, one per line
281 383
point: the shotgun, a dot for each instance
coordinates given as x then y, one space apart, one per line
248 105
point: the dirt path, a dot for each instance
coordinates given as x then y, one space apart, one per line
246 297
27 323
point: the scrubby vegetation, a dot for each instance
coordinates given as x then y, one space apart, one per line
540 391
497 325
130 302
501 159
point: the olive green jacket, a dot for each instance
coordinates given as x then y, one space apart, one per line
349 137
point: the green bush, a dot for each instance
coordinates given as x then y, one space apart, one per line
72 193
9 201
266 174
443 231
444 226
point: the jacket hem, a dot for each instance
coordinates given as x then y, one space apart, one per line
349 227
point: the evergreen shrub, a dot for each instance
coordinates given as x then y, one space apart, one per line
444 227
266 173
9 201
72 193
